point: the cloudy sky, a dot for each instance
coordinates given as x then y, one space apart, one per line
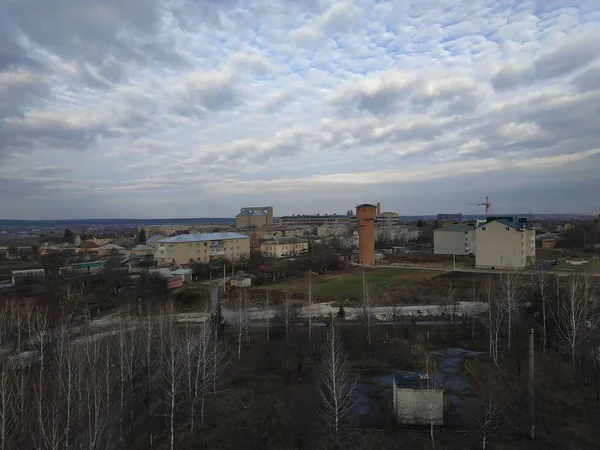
195 108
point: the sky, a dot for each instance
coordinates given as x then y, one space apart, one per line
196 108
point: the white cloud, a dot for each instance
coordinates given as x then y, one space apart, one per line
307 105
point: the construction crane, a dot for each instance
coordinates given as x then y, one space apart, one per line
485 204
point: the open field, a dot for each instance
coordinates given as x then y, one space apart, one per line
348 283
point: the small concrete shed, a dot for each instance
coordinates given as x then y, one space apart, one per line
241 280
418 398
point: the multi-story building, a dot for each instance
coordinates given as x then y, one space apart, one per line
454 239
314 220
283 247
332 229
503 243
400 233
254 217
205 247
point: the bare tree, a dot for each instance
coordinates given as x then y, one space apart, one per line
267 314
335 391
450 307
543 290
309 302
575 315
8 408
287 312
489 419
430 386
240 321
512 300
496 313
367 310
171 370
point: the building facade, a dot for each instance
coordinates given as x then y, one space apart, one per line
332 229
366 215
314 220
204 247
254 217
504 244
454 239
283 247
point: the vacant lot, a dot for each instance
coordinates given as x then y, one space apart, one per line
348 283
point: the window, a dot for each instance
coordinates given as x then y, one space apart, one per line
507 228
482 228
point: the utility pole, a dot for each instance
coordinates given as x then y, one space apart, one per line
531 385
224 275
454 260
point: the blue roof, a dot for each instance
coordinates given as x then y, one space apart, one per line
155 238
203 237
508 223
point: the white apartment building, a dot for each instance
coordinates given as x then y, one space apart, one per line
454 239
504 244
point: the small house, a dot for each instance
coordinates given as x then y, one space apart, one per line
185 274
241 280
418 398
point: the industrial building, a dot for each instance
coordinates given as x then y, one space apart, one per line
504 243
314 220
283 247
454 239
205 247
366 215
418 398
254 217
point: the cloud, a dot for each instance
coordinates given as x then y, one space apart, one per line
200 107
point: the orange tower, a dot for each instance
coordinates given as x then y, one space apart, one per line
366 215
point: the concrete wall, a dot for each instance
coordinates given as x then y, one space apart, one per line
419 406
446 242
500 246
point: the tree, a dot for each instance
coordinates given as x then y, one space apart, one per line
142 235
335 391
543 290
575 315
309 302
68 234
512 300
496 312
267 314
367 311
421 223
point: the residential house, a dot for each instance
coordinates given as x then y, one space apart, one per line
87 267
203 247
152 241
283 247
36 274
141 250
504 243
454 239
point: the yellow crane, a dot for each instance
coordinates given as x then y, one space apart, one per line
486 204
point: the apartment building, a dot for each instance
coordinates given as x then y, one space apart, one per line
283 247
204 247
454 239
504 244
332 229
315 220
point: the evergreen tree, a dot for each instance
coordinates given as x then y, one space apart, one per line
142 237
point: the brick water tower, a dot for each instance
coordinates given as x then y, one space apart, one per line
366 215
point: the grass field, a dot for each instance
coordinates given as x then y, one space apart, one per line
349 283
